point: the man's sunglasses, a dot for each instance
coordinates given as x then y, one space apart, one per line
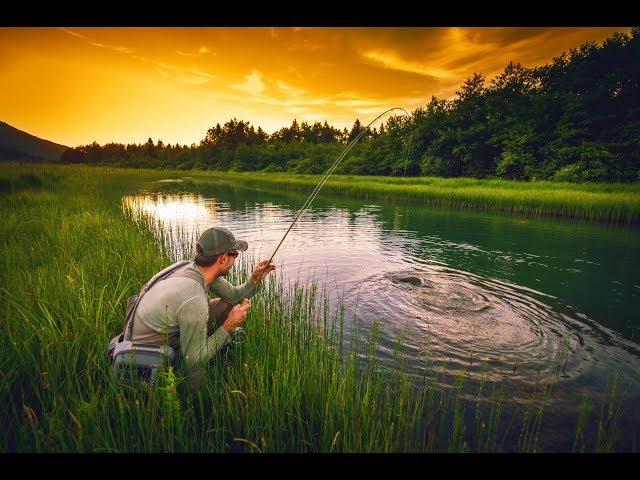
232 254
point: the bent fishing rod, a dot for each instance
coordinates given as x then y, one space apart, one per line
239 332
326 175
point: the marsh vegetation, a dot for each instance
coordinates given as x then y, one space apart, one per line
69 259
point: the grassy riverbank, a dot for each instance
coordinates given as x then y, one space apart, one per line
69 258
601 202
604 202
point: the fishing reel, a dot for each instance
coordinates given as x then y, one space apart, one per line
238 336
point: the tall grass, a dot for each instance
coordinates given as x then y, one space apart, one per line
602 202
68 260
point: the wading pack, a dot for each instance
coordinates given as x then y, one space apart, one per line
134 362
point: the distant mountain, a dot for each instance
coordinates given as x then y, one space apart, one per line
18 145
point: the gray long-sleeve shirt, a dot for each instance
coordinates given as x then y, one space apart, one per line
176 311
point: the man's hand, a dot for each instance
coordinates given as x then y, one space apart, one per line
262 270
237 316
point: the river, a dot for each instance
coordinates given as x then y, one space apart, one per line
509 298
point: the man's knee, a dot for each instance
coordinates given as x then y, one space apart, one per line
218 312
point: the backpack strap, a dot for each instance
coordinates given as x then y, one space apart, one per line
193 276
128 330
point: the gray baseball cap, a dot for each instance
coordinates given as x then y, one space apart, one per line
217 240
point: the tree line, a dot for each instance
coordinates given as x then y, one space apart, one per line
576 118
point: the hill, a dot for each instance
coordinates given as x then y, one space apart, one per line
16 144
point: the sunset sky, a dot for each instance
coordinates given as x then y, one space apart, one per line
76 85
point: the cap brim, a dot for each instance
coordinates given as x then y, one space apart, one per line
241 245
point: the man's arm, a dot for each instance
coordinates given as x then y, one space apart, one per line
233 294
196 347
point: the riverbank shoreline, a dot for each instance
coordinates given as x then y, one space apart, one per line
609 203
70 258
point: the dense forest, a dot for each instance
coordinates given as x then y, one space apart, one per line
576 118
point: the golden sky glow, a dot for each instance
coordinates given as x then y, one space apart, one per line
76 85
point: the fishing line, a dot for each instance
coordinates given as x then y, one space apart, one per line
329 171
239 332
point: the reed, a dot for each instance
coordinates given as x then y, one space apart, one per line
601 202
70 256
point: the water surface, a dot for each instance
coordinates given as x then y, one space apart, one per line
508 298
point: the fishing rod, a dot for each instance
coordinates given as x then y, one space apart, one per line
239 332
326 175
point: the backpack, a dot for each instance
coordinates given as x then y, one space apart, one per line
133 362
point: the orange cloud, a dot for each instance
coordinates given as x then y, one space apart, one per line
390 59
253 84
76 85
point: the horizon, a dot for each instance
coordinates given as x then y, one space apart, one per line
126 85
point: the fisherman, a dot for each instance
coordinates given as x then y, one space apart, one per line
178 311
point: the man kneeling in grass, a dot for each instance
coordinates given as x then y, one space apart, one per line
178 310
